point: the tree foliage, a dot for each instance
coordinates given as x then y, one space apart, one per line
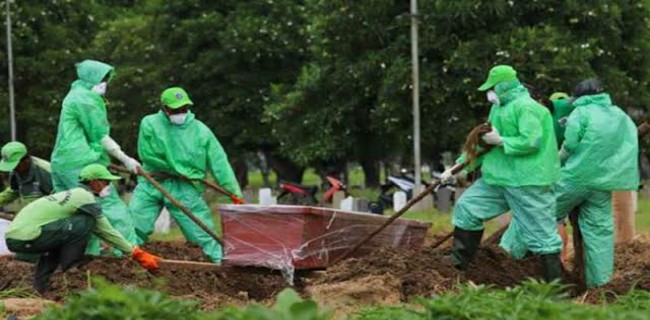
318 82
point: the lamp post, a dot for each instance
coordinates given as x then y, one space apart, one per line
416 96
10 58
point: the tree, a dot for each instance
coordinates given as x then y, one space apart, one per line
352 100
342 107
48 39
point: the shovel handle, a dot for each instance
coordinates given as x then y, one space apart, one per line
177 203
235 199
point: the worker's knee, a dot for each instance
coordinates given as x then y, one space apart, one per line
544 243
18 246
463 217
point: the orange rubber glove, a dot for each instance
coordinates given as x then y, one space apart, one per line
145 259
236 200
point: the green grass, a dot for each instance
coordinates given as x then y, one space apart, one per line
18 292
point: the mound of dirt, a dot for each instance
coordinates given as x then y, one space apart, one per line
24 308
631 267
386 276
426 271
345 297
226 286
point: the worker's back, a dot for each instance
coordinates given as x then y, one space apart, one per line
602 144
27 223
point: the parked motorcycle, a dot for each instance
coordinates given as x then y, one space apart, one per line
299 194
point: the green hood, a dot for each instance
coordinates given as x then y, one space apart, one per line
509 91
91 72
601 99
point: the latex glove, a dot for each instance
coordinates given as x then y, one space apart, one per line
115 150
493 137
446 176
132 164
145 259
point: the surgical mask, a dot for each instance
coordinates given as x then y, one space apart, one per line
100 88
105 192
178 119
493 98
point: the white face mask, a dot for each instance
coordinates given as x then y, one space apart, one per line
493 98
105 192
100 88
178 119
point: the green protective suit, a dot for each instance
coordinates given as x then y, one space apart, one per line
529 155
83 122
561 111
82 125
189 150
603 151
602 144
518 175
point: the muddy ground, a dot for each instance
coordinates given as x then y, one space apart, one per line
387 277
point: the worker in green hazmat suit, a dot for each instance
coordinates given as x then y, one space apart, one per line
518 173
29 176
173 142
562 108
83 138
600 155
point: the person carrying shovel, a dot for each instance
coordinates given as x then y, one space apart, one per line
517 175
173 142
29 177
600 155
83 138
59 226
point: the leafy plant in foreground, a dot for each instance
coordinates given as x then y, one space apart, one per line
288 306
107 302
531 301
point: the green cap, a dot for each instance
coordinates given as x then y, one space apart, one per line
96 172
498 74
12 153
558 96
175 98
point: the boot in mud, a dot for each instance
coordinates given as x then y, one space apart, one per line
551 267
465 245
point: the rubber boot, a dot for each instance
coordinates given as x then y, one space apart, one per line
72 255
45 267
551 267
465 246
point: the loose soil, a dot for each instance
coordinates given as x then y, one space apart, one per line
388 276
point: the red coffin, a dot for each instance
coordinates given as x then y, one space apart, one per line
298 237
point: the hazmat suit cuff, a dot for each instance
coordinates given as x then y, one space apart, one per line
114 149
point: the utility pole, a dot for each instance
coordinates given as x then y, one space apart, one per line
10 58
416 96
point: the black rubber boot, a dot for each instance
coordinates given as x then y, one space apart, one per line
45 267
551 267
465 246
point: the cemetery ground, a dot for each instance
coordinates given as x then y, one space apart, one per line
416 283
